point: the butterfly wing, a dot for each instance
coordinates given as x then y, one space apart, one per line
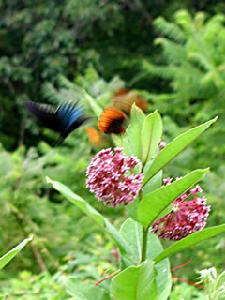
124 101
64 119
46 114
71 117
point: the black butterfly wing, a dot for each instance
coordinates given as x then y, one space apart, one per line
71 117
66 118
46 114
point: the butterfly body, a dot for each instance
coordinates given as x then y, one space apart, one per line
111 120
63 119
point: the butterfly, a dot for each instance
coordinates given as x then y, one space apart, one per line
62 119
96 138
112 120
123 100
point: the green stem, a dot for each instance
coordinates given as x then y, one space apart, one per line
144 243
145 234
140 195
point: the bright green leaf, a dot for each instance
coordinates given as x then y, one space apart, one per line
126 144
135 283
122 140
155 202
154 183
134 131
5 259
151 135
174 148
117 140
191 240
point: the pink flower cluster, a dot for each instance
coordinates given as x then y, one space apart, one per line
189 214
111 177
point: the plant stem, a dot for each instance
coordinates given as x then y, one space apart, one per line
144 243
145 233
140 195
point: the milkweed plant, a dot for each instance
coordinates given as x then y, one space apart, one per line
131 174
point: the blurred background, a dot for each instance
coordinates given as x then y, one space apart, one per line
171 53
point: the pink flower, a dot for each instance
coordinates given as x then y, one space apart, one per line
111 177
162 145
167 181
185 218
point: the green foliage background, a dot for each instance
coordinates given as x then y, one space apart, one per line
52 50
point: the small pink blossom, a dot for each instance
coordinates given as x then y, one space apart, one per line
196 189
162 145
187 216
167 181
111 177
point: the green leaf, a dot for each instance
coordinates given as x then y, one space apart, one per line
122 140
5 259
132 208
151 135
155 202
174 148
85 291
86 208
142 135
117 140
191 240
121 242
154 183
132 232
91 212
163 275
135 283
134 129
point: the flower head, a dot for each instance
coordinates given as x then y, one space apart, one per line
111 177
186 217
